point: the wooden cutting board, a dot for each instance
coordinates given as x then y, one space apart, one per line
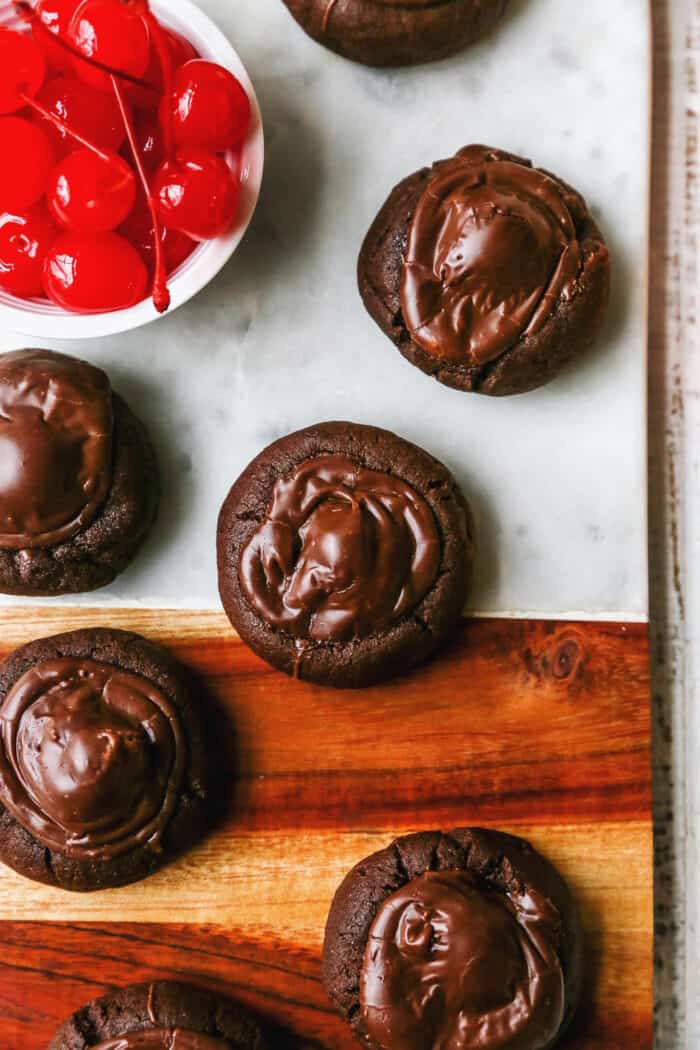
540 728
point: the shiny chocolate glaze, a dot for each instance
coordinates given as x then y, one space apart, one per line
492 249
342 552
91 757
55 447
452 963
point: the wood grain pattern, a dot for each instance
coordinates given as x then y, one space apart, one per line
541 728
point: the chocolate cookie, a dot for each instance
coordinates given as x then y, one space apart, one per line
467 939
487 273
396 32
102 760
344 554
78 476
164 1015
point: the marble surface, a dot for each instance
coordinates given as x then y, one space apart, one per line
280 339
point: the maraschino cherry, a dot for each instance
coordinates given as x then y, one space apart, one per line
150 140
25 240
92 274
55 16
23 70
180 51
197 193
160 290
88 193
208 107
93 114
23 183
112 33
138 230
187 112
99 47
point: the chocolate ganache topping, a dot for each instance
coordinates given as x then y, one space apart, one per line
55 447
92 757
343 552
453 964
164 1039
491 249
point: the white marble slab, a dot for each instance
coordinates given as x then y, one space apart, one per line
280 339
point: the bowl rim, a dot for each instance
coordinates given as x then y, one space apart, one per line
209 258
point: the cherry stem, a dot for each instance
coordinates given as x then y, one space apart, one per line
28 14
165 61
66 128
161 293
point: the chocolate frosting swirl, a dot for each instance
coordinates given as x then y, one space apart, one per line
491 250
55 447
92 757
164 1039
453 964
342 552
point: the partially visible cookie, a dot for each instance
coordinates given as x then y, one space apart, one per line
486 273
79 482
344 554
468 938
396 32
163 1015
102 760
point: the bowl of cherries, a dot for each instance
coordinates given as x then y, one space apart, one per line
132 149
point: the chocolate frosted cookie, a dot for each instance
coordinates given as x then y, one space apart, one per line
344 554
164 1015
78 477
487 273
396 32
468 939
102 760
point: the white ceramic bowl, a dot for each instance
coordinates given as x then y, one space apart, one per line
40 318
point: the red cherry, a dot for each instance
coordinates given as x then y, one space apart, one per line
22 69
91 113
181 51
24 242
197 193
209 108
177 51
94 274
160 292
89 194
112 34
138 230
108 34
27 159
149 139
55 15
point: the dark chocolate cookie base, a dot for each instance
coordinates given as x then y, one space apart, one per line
377 34
99 552
18 847
500 859
536 359
171 1004
380 656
